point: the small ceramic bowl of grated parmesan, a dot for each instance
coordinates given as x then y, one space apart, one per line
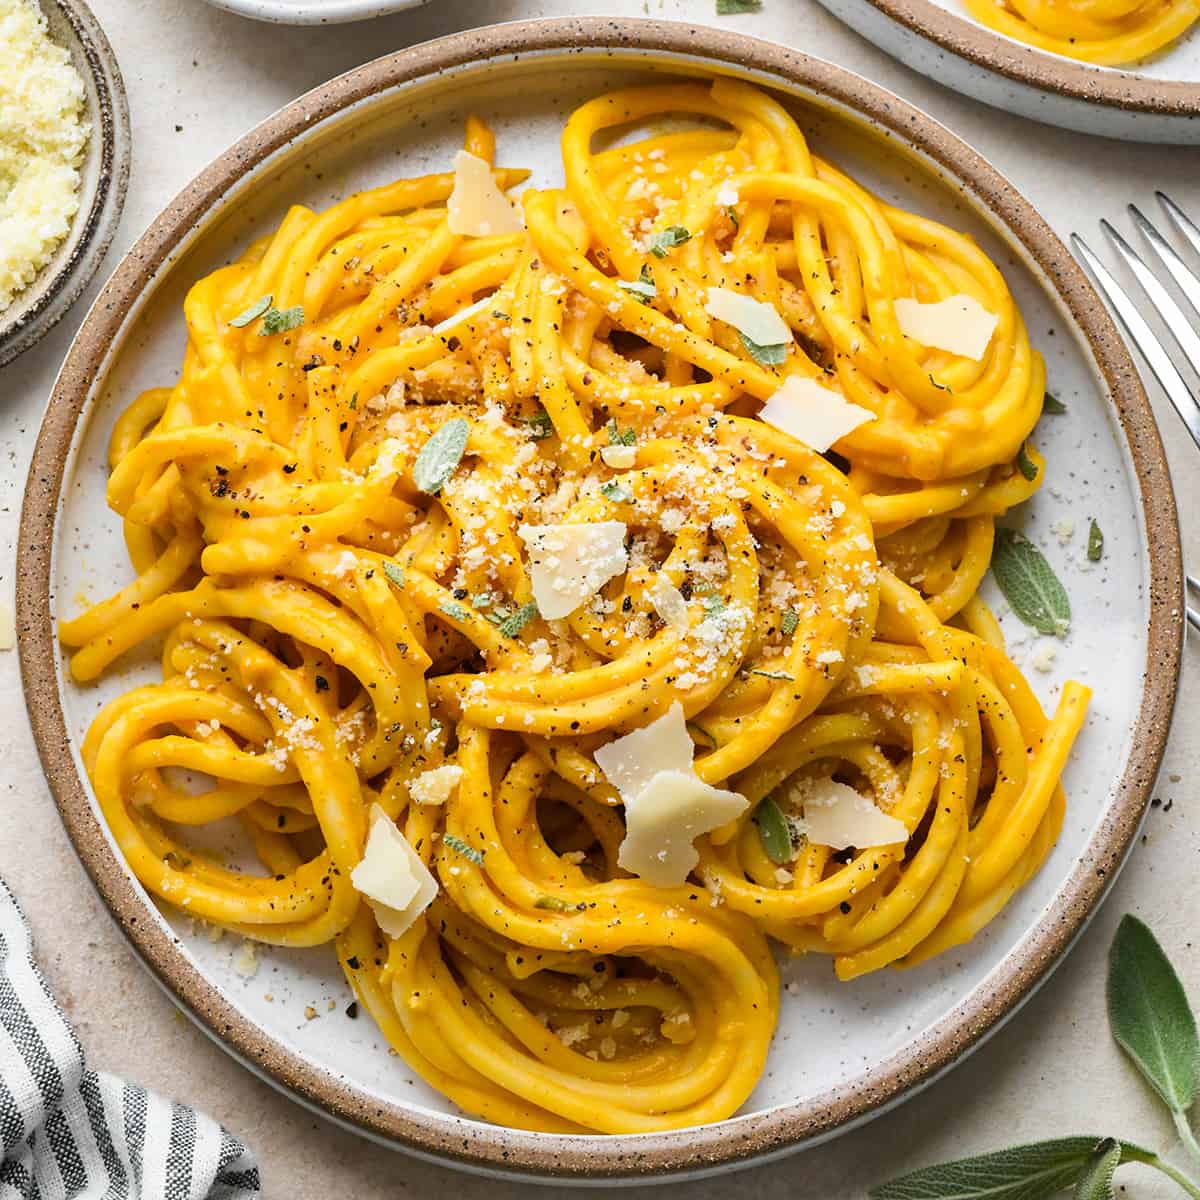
64 161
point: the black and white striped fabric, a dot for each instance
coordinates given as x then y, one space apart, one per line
68 1133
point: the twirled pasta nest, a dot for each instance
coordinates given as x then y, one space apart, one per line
338 628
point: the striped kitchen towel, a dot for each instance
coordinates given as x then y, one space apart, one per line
68 1133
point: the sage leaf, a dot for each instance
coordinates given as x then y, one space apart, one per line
1095 546
774 832
1018 1173
1052 404
773 674
553 903
620 437
252 313
541 426
765 356
617 492
464 848
733 8
395 573
789 622
280 320
1029 583
454 610
1149 1014
1096 1181
643 286
441 455
666 239
1026 465
515 622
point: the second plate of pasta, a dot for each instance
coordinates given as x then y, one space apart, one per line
550 687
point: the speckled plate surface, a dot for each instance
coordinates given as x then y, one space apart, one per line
1157 100
843 1052
104 178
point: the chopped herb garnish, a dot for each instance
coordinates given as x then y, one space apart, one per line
553 903
788 623
252 313
617 492
354 402
714 605
481 599
503 316
540 425
515 622
464 848
454 610
774 832
1052 404
620 437
765 356
667 239
1095 546
773 674
394 572
280 320
732 214
643 286
441 455
1026 465
1029 583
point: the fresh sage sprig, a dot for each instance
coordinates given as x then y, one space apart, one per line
1151 1021
1029 583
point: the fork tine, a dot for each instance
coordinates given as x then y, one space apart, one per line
1140 334
1189 285
1180 220
1162 300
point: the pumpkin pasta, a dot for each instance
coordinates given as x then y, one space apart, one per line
432 521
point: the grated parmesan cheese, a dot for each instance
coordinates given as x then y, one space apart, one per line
42 140
957 324
436 786
814 415
570 563
758 321
391 875
477 207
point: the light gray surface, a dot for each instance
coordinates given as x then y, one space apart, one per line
1053 1070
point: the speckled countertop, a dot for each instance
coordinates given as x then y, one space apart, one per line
198 77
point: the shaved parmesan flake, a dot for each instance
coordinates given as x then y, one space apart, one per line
669 603
958 324
630 762
435 786
837 816
620 458
667 805
665 818
758 321
570 563
396 883
477 207
463 315
815 415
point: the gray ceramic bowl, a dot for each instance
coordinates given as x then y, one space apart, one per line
105 175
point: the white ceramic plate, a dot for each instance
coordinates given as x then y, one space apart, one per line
314 12
1154 101
843 1051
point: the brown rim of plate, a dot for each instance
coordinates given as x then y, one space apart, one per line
740 1139
1105 87
73 273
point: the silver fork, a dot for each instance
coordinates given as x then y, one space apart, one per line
1137 332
